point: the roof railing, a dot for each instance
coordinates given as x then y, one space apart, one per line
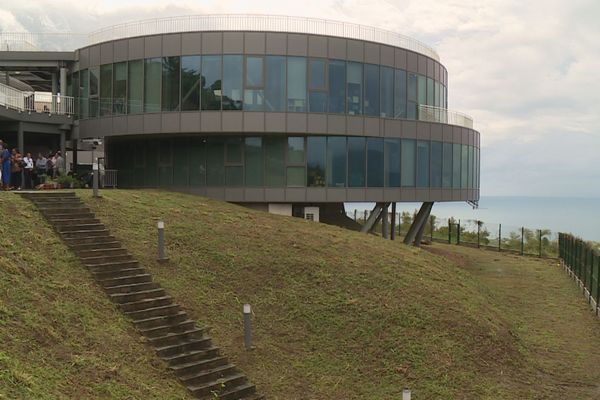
39 102
444 116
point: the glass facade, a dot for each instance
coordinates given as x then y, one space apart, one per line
294 161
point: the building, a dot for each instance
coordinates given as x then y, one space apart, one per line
274 112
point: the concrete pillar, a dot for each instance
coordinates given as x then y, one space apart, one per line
419 222
385 228
421 230
63 82
54 83
393 227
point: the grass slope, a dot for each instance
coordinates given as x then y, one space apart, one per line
60 336
338 315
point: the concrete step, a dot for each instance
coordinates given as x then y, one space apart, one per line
136 296
208 375
44 194
66 216
194 355
106 259
135 287
177 337
113 269
89 240
147 303
184 347
161 320
239 392
60 222
85 234
161 311
56 200
61 206
107 252
162 330
222 386
79 227
190 369
125 280
119 273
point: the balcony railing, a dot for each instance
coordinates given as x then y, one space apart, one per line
40 102
437 114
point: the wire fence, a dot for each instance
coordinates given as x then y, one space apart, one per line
582 261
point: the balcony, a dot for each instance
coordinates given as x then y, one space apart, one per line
38 102
444 116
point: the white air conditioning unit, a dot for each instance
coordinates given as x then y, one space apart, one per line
311 213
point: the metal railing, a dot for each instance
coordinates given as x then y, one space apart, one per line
32 41
260 22
438 114
109 178
581 259
40 102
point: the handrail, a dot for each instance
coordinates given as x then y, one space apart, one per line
438 114
259 22
40 102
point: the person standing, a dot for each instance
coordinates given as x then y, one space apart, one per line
40 169
50 165
5 166
28 163
59 165
15 169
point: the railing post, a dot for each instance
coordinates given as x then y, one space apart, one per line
355 215
449 232
522 240
540 237
458 233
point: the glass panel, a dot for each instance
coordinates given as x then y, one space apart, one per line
170 83
135 82
317 74
152 84
211 83
197 162
190 83
456 157
337 86
399 93
422 89
436 164
411 111
94 81
275 83
354 87
375 176
296 150
254 161
315 160
464 166
296 84
392 162
165 163
234 175
336 161
430 94
356 161
215 161
387 92
84 92
233 150
422 163
254 72
447 170
181 164
295 176
254 99
232 82
408 161
317 101
274 161
151 170
436 100
371 104
106 89
471 168
119 87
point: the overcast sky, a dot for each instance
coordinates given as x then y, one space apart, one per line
527 71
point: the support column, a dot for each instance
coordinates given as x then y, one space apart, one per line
372 220
421 231
419 223
54 83
63 82
393 227
385 230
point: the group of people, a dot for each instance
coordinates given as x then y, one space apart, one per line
18 172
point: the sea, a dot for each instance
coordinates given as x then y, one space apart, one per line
579 216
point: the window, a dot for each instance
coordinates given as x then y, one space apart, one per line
456 157
197 168
337 86
296 173
430 92
336 161
375 176
399 93
408 161
181 162
190 83
274 161
106 89
471 168
447 167
315 160
84 93
296 84
165 163
422 163
254 94
392 162
464 166
317 95
356 161
233 162
354 88
232 82
119 87
275 83
170 83
436 164
254 161
152 84
411 110
215 161
371 103
387 93
211 83
94 91
422 90
135 83
436 99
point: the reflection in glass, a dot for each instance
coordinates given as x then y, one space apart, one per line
336 161
436 164
253 158
375 176
337 86
135 82
392 162
119 87
232 82
296 84
152 84
190 83
371 102
211 83
408 162
387 92
315 160
275 98
170 83
354 88
422 163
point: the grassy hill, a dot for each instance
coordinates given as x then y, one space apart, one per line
337 314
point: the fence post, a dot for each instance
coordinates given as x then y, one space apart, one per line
449 231
432 226
478 233
522 240
540 236
355 210
499 237
458 233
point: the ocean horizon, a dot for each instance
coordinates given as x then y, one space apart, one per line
579 216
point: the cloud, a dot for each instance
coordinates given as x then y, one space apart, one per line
526 71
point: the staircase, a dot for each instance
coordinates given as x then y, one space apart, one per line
176 338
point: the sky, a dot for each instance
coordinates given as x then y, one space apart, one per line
526 71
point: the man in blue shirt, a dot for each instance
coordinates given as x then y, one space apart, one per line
5 165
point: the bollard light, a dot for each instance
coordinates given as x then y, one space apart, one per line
247 327
406 394
161 241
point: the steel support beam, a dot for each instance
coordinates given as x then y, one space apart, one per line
393 227
373 218
385 230
421 231
418 224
